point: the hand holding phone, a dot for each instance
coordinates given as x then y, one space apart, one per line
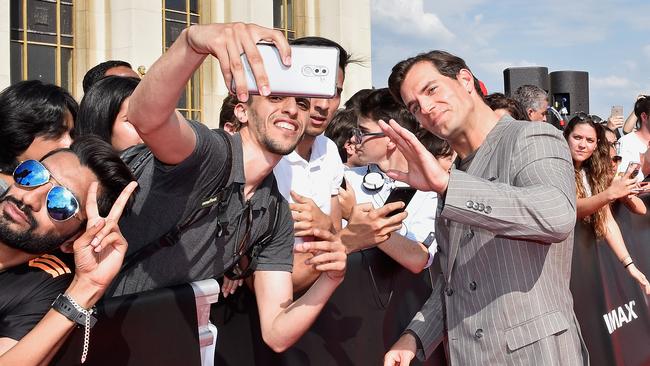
312 73
632 169
641 188
403 194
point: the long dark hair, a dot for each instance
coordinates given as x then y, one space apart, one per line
29 109
112 173
100 106
597 168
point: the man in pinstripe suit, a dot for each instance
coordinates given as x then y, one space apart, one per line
505 228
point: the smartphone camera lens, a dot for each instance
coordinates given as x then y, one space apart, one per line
317 71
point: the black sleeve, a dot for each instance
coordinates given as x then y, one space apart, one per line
30 306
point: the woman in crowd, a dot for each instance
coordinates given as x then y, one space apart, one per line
35 118
103 112
596 188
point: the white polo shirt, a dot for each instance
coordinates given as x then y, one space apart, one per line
420 223
319 178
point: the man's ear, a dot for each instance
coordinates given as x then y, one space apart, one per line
466 79
349 148
66 247
241 112
529 111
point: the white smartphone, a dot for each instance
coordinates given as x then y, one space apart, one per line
312 72
617 110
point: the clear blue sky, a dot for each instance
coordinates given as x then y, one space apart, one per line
607 38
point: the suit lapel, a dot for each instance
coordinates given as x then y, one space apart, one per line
477 167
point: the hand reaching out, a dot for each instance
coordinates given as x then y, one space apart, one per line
368 226
307 216
228 41
347 200
639 277
328 254
402 352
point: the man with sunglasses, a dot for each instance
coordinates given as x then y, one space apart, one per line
192 160
41 216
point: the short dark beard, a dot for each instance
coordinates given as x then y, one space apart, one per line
26 241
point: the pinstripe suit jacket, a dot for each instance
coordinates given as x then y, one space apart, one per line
505 236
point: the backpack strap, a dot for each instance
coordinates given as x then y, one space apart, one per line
235 272
194 212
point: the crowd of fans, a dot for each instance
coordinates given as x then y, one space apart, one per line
329 248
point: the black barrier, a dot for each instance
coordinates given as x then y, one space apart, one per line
609 304
364 317
151 328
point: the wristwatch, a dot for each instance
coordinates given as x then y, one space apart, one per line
71 310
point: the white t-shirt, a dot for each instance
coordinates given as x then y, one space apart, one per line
631 147
318 179
420 223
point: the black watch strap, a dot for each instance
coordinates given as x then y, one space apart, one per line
63 305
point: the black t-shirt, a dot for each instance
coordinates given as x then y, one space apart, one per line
28 291
165 193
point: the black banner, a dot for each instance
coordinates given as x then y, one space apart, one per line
609 304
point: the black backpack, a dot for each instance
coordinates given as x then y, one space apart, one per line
137 157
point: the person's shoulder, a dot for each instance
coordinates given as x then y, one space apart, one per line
629 138
50 265
356 171
535 128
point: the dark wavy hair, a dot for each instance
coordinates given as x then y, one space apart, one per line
597 168
29 109
340 130
380 104
112 173
515 109
447 65
98 71
101 105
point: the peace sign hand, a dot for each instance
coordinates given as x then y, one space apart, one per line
99 252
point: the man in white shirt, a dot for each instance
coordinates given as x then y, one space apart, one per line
384 287
635 144
310 176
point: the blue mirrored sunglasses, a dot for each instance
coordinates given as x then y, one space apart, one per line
61 203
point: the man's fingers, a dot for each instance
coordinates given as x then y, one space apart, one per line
279 40
326 257
255 61
121 201
92 211
363 207
298 198
302 226
88 237
388 208
236 66
115 240
316 246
